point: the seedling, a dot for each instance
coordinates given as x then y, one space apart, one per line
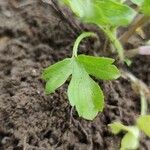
132 136
106 14
83 92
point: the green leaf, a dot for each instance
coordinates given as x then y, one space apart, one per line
143 122
81 8
131 138
137 2
129 141
146 7
117 14
57 74
94 11
99 67
116 127
84 93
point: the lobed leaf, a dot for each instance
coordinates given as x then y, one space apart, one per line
99 67
84 93
57 74
143 122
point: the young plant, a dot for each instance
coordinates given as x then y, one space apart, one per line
132 137
83 92
106 14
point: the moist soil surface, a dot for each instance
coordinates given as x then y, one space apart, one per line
34 35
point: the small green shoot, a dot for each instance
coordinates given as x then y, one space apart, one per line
83 92
131 138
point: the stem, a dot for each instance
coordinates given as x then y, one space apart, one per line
113 38
143 103
139 21
79 39
142 89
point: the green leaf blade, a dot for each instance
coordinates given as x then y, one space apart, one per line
131 138
84 93
117 14
94 11
129 141
143 122
56 75
100 67
116 127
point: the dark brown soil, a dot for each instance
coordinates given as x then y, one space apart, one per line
32 36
